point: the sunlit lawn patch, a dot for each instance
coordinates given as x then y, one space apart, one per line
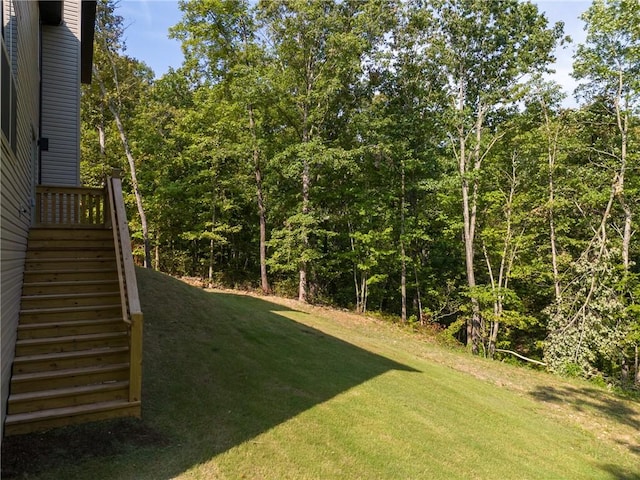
243 387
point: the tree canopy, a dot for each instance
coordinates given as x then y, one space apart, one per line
404 157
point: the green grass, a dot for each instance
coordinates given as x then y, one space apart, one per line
242 387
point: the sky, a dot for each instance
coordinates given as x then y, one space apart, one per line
148 23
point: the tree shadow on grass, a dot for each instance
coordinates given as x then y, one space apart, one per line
219 369
581 398
618 473
593 400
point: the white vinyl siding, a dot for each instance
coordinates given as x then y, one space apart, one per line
61 99
16 181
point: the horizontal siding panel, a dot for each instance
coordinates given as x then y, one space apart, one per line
16 184
62 132
13 288
13 234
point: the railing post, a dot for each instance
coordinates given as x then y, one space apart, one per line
135 359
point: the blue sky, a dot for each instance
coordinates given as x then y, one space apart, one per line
148 23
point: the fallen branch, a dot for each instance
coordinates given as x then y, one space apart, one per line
522 357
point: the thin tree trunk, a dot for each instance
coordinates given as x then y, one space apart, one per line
497 307
103 141
467 239
420 318
210 273
302 285
103 146
626 235
262 211
306 184
211 248
136 189
132 170
132 166
622 118
403 275
364 293
552 151
637 366
355 272
469 206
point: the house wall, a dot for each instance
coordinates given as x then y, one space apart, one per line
61 98
21 26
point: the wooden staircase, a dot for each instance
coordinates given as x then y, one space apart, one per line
73 358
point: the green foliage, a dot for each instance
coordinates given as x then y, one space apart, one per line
589 322
331 133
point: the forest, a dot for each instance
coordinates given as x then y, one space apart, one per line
406 157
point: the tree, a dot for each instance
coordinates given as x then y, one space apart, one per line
610 63
219 40
121 82
588 328
318 50
483 51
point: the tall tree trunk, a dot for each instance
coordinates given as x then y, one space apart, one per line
355 271
306 184
364 292
132 168
103 146
626 234
469 207
211 247
552 153
302 285
102 140
262 211
622 118
506 263
134 184
469 164
403 274
637 365
420 317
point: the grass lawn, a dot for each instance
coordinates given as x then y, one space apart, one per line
243 387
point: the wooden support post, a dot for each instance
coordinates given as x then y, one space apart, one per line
135 361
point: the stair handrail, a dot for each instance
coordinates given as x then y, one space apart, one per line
131 311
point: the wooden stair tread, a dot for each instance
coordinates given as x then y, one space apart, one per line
67 391
70 283
70 323
79 308
71 270
68 372
58 296
40 231
71 338
75 226
84 248
17 418
71 259
66 355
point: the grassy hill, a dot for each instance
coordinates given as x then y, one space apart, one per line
264 388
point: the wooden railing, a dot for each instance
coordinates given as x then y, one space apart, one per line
69 206
131 312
